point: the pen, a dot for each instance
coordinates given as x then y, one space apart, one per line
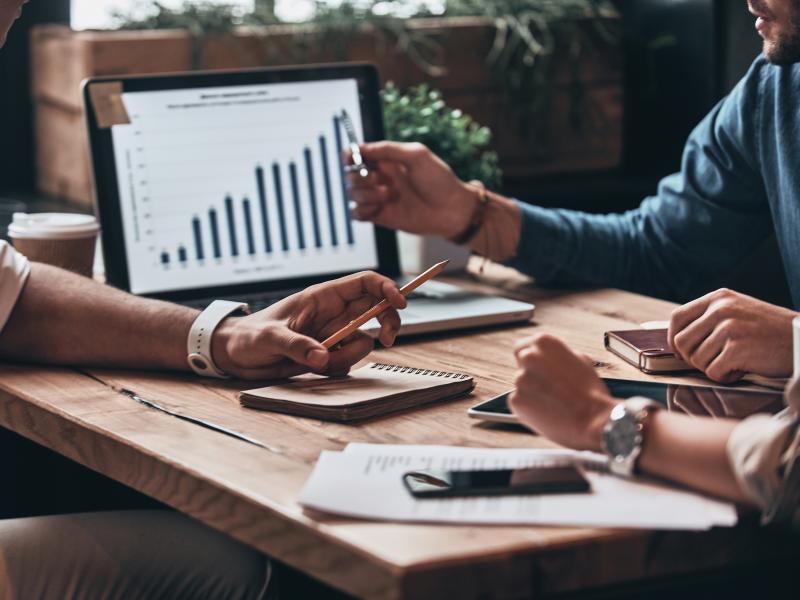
373 312
358 166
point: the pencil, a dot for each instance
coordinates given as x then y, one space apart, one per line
376 310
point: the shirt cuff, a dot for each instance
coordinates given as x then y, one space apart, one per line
757 452
14 271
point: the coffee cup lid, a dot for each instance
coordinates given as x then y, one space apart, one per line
62 226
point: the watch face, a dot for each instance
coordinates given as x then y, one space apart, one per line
622 438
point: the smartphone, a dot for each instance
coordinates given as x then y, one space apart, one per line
566 479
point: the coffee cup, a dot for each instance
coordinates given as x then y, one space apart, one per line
63 240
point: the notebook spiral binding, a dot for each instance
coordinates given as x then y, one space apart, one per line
417 371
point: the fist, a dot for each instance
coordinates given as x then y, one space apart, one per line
558 394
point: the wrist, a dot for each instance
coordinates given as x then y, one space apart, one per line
202 338
594 432
498 236
221 341
466 201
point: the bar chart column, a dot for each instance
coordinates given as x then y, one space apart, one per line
248 227
337 128
276 176
262 200
198 238
301 236
326 178
212 220
312 194
231 226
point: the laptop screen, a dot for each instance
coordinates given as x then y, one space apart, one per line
238 184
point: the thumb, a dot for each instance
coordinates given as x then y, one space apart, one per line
299 348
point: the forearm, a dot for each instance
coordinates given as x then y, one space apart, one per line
62 318
693 452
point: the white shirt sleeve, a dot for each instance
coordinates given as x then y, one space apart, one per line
763 452
14 271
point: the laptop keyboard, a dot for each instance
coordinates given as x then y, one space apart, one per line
257 302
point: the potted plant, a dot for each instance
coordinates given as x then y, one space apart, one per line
544 75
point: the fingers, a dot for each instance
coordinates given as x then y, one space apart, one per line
407 154
723 368
390 326
297 347
281 370
352 350
687 341
688 313
385 185
374 179
538 344
371 197
367 212
380 288
708 349
367 283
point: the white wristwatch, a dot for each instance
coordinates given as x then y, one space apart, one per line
198 345
623 435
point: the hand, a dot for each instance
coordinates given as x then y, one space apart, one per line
282 340
726 335
411 189
559 395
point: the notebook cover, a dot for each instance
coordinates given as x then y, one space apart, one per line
372 390
648 350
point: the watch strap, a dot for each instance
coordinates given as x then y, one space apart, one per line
198 344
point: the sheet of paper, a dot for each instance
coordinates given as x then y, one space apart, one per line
365 481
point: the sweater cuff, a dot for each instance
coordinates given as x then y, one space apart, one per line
543 242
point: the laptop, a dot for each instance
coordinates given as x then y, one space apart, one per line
230 185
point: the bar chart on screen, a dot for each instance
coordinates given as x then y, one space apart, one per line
239 184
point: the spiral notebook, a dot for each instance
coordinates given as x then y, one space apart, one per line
370 391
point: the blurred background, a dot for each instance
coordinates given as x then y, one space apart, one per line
582 104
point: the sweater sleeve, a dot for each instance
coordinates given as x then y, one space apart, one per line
701 223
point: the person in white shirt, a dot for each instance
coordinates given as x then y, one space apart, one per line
48 315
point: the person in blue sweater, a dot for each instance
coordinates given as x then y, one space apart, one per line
739 183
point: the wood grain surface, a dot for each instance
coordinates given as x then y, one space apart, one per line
249 492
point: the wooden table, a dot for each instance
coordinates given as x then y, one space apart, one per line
249 492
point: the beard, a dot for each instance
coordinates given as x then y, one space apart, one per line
786 49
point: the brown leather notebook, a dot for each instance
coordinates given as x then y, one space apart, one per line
646 349
370 391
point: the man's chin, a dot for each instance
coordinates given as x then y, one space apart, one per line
782 53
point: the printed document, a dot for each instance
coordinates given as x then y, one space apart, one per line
365 481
